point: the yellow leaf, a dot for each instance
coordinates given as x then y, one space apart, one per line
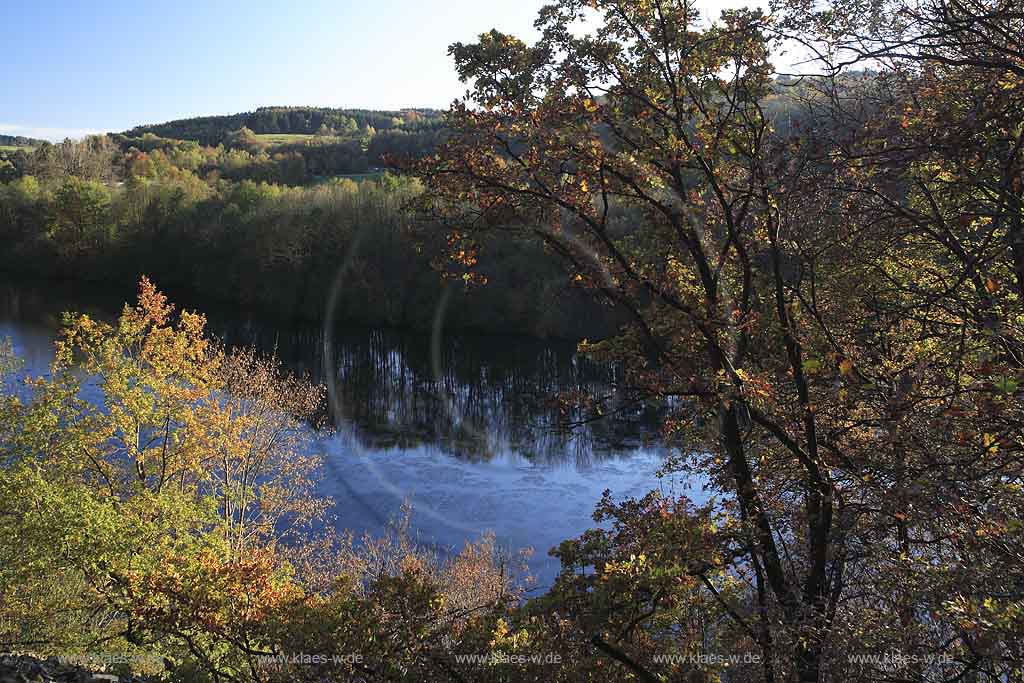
989 442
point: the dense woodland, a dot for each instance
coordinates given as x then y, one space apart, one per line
212 130
328 141
830 304
262 209
268 226
18 141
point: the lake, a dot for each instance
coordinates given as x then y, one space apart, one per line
462 426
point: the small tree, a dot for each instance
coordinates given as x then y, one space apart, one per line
150 516
81 225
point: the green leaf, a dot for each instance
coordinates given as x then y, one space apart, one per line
812 365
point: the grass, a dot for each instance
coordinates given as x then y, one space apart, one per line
369 175
292 138
14 148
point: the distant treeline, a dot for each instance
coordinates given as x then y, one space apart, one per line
330 141
197 220
18 141
212 130
254 209
281 145
295 145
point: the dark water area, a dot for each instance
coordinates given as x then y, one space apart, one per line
463 427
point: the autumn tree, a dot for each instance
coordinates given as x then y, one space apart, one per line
158 499
840 375
931 168
149 513
244 138
91 158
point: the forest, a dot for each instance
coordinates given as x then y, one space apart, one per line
13 141
820 277
249 223
260 210
212 130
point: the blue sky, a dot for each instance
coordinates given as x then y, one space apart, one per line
75 67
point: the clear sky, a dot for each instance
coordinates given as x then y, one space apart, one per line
75 67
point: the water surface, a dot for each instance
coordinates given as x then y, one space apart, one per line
462 426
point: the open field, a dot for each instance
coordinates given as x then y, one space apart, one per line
13 148
293 138
368 175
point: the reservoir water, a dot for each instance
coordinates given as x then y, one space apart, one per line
463 427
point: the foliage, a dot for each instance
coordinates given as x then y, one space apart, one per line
834 310
175 464
248 227
172 517
824 278
333 141
19 141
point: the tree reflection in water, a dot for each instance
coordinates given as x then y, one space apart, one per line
492 394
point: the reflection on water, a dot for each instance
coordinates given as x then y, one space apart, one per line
481 396
473 437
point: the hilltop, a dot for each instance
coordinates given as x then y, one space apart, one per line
303 122
19 141
313 141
